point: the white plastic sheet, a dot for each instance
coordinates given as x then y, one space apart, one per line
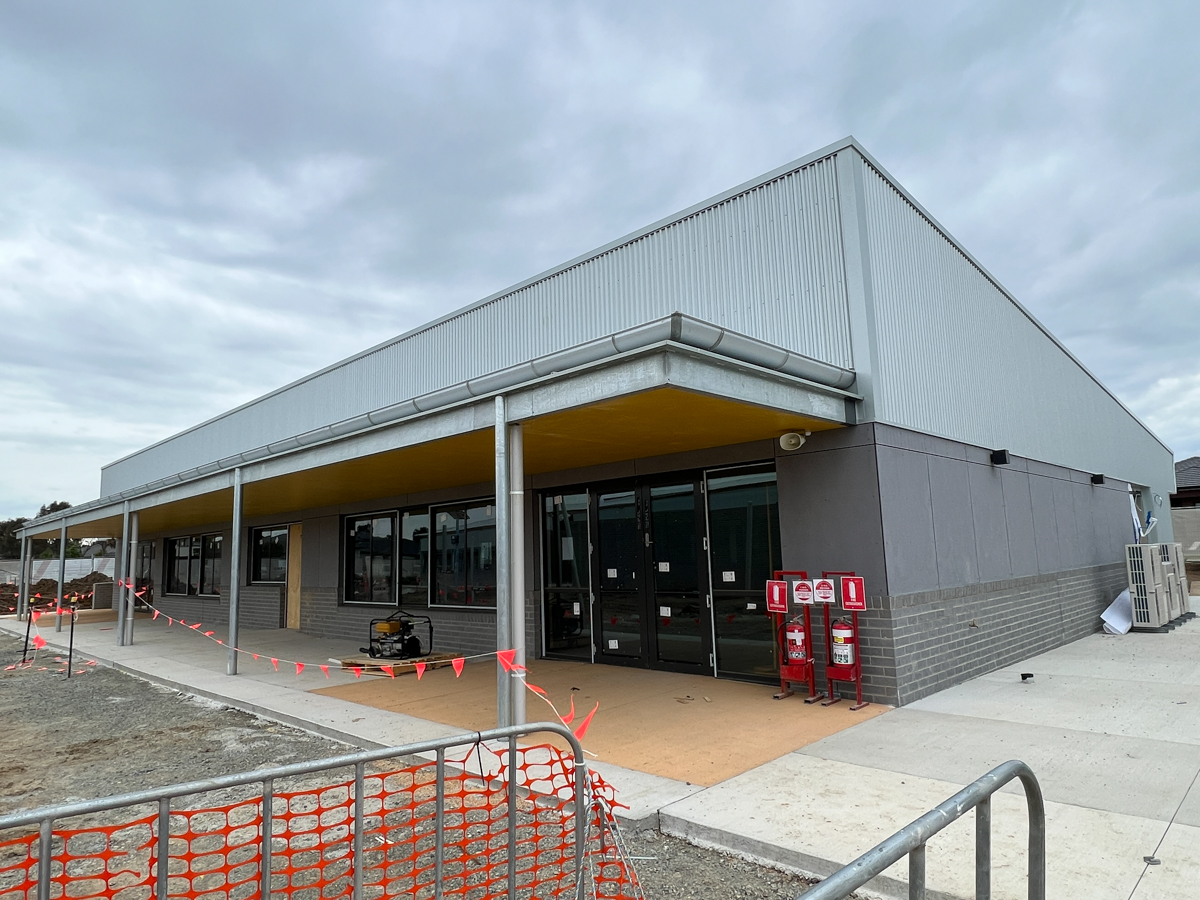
1118 618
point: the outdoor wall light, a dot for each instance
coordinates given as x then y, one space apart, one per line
1000 458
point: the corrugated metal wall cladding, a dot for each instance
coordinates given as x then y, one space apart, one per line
766 263
957 358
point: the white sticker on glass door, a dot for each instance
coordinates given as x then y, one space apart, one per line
664 567
729 576
613 644
665 612
612 573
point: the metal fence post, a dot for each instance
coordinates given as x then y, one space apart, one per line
439 845
358 830
512 818
164 846
916 873
265 838
983 849
45 851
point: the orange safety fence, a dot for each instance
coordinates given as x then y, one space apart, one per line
215 852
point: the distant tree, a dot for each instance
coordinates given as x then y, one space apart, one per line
56 506
10 544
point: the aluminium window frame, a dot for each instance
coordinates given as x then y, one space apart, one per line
485 500
252 556
168 562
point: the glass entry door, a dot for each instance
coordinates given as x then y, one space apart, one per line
651 604
743 521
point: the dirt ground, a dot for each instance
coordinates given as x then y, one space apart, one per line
104 733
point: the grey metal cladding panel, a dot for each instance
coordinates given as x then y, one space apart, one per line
1045 524
829 513
953 528
991 532
1069 543
766 263
907 511
958 358
1018 520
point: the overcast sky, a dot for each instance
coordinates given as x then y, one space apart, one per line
200 202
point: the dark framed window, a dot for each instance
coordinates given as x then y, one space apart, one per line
414 556
464 553
193 565
268 561
371 559
210 564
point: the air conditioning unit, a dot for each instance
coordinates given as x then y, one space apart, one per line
1181 574
1147 586
1170 583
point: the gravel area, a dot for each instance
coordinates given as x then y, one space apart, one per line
103 733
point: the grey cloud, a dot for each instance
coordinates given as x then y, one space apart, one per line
200 202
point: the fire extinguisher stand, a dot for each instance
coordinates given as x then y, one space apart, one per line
842 673
790 673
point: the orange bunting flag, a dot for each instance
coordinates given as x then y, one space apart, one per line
570 717
325 669
181 621
38 642
299 668
536 689
91 662
458 665
35 615
209 633
586 723
357 670
255 655
506 658
37 596
156 614
170 621
388 671
420 667
194 627
275 663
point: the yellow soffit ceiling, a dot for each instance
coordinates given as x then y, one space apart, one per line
652 423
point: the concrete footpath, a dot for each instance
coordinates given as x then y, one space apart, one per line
1110 725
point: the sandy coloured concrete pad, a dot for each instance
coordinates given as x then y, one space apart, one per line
686 727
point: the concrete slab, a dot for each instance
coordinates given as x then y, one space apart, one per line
1178 874
1132 776
815 815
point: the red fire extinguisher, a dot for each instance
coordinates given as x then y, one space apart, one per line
843 643
797 642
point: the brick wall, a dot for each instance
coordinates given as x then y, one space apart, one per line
206 610
941 638
260 605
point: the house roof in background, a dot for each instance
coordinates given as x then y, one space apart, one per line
1187 473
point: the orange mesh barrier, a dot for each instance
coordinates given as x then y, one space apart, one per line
215 852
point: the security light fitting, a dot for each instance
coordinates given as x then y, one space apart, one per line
1000 458
792 440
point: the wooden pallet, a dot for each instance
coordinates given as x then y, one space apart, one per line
400 666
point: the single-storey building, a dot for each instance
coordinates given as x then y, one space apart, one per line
588 465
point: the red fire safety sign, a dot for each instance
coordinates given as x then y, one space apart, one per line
802 594
854 595
777 594
823 590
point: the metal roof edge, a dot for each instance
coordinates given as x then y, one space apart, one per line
633 236
682 331
900 189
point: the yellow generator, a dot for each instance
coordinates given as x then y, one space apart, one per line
393 637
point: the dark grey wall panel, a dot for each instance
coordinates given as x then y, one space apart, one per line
987 514
1018 520
829 514
1070 547
953 524
907 513
1045 525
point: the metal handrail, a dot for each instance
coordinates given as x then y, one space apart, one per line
45 817
911 840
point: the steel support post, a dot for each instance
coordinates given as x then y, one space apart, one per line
235 573
131 610
23 580
503 554
62 574
516 516
118 591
